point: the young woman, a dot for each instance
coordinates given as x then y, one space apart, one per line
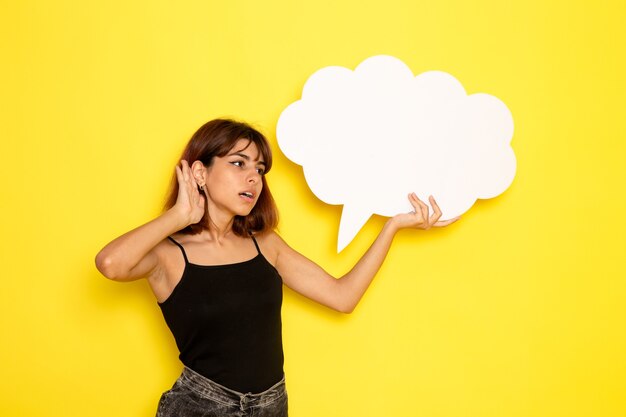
216 267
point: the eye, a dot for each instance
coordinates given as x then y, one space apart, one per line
261 171
237 163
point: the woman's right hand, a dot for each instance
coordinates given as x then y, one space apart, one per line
134 254
189 203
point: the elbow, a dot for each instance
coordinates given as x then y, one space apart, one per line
106 266
344 301
345 308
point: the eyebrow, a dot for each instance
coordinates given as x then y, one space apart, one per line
246 157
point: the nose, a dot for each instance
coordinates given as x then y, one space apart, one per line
254 177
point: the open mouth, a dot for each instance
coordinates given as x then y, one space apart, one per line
247 195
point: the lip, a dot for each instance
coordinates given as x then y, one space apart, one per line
250 197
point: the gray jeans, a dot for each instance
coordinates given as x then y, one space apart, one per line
195 395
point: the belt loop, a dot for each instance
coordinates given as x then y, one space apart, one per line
243 402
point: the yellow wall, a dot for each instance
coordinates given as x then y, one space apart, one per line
517 310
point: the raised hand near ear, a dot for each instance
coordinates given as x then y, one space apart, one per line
190 202
419 218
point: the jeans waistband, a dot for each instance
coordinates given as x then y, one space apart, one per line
207 388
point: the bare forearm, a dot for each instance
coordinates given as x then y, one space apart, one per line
343 294
117 259
353 285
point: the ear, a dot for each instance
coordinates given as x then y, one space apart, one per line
198 170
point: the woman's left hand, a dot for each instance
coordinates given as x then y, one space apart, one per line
420 218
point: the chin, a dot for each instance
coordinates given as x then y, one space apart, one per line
244 213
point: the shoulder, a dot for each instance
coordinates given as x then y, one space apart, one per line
167 248
271 245
181 238
269 237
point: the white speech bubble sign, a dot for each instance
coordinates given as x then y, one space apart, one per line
366 138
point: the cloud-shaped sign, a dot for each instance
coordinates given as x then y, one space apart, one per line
366 138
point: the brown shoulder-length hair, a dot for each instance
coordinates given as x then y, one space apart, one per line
217 138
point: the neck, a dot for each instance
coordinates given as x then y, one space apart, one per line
220 227
219 232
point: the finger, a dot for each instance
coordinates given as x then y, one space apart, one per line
412 201
434 205
193 184
417 208
446 222
179 175
436 210
185 168
423 207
